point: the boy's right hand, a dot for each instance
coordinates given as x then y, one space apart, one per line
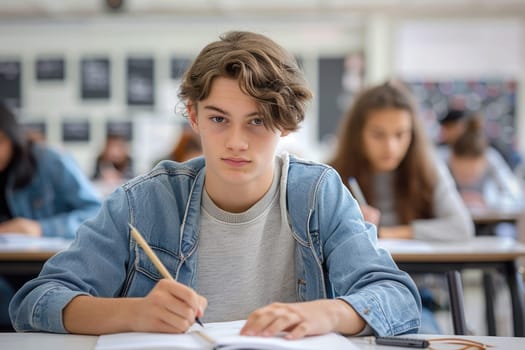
170 307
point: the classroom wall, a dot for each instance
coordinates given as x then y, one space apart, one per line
161 39
392 46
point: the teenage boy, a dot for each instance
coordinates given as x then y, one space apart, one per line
246 234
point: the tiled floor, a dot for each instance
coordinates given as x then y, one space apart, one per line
474 303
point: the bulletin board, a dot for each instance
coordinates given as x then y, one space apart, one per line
495 99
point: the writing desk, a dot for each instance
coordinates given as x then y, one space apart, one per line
484 253
23 260
45 341
496 216
22 256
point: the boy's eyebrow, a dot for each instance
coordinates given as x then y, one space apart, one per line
217 109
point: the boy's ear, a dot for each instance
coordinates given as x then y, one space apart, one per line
192 116
285 133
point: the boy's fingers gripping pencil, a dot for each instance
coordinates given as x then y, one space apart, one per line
153 257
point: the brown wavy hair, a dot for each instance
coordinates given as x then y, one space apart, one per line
265 71
414 179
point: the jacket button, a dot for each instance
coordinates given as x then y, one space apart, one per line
366 311
301 282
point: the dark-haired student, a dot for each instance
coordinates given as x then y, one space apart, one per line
43 192
480 184
246 233
452 126
409 194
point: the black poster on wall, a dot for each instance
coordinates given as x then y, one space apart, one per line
75 131
50 69
10 82
179 66
140 83
340 79
95 77
331 108
121 128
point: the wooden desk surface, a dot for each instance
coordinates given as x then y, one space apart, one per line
485 248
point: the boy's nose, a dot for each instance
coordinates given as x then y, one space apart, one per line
237 139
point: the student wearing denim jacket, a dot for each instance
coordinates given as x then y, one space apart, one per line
43 193
240 229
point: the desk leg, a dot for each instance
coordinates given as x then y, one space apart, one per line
488 288
515 282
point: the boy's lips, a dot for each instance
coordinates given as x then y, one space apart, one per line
236 161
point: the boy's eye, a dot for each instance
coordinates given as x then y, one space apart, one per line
217 119
257 121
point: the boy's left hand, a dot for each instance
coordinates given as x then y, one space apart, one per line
303 319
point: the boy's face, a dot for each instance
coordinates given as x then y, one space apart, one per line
238 149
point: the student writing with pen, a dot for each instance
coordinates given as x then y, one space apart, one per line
245 233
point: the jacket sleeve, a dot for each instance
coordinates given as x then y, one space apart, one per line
359 272
452 221
101 247
78 198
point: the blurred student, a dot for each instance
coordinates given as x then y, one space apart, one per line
188 146
246 234
481 185
43 192
452 126
408 193
114 164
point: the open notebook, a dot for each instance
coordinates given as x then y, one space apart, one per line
220 336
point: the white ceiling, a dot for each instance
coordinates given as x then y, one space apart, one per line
14 9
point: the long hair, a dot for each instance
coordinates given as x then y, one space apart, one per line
22 166
265 71
415 177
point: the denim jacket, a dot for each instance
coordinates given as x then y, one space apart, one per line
336 253
59 196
